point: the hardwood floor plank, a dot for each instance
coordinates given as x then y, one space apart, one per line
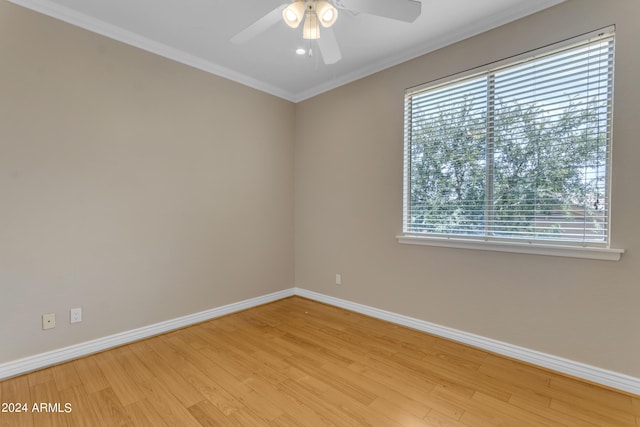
584 394
247 417
512 412
542 406
395 391
436 419
16 391
120 383
108 409
199 372
41 377
167 405
147 359
347 382
82 412
293 409
600 416
208 415
65 376
46 405
315 398
296 362
209 376
449 401
90 375
143 413
397 413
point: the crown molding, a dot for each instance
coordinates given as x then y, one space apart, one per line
89 23
111 31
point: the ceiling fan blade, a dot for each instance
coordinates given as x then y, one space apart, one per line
328 46
401 10
261 25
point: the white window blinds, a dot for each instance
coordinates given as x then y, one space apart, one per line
520 152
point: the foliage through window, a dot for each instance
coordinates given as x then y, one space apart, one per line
517 153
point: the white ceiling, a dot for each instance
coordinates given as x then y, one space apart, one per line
197 33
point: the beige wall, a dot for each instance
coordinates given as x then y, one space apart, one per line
348 209
132 186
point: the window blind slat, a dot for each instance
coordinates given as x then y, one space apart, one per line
537 131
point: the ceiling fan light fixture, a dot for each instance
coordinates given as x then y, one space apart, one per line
294 13
311 29
326 12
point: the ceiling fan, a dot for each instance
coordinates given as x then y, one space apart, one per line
323 13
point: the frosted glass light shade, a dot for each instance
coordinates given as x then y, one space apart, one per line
294 14
326 13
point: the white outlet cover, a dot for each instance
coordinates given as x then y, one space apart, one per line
75 315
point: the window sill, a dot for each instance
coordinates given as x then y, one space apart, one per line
607 254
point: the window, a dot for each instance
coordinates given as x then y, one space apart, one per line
516 155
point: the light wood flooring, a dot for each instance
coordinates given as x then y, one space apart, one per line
296 362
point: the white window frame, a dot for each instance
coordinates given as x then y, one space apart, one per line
552 248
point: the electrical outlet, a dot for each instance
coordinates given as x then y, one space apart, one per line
338 279
48 321
75 315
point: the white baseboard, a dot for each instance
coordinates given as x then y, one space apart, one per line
39 361
569 367
576 369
